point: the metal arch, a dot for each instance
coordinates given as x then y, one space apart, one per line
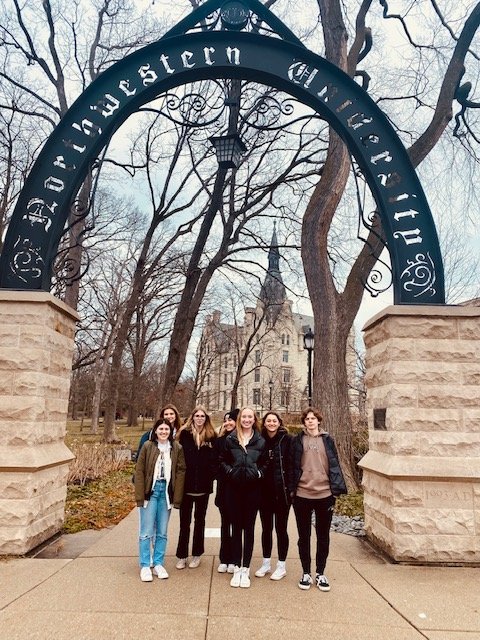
255 6
43 205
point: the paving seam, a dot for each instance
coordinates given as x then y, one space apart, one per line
391 605
207 617
67 562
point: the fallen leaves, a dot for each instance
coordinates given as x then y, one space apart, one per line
101 503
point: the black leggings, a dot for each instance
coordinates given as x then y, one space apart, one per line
244 514
323 509
226 553
275 513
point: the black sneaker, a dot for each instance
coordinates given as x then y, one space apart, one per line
305 581
322 582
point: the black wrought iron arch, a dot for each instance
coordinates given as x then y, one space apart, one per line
44 203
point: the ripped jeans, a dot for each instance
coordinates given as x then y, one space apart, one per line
153 526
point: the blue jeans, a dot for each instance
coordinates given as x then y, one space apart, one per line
153 526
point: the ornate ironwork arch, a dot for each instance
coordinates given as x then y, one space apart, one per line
44 203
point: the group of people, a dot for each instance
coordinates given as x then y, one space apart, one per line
259 468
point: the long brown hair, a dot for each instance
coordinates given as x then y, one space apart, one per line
178 423
206 434
281 426
153 433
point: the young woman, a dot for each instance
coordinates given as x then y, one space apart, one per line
221 499
197 437
315 479
275 497
243 462
159 482
168 413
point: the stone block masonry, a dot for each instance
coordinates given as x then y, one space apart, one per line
421 475
36 347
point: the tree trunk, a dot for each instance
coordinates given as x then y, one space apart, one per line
330 382
73 263
192 297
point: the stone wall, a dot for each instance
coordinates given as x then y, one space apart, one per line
422 471
36 346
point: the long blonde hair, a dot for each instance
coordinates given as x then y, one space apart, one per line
206 434
239 430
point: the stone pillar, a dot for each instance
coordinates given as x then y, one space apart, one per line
36 347
421 475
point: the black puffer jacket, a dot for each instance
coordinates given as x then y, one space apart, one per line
277 450
200 463
335 475
244 466
221 499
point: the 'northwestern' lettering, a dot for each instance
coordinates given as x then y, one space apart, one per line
147 74
106 106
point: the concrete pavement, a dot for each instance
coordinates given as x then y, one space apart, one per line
87 586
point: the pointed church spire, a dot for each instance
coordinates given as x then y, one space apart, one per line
273 292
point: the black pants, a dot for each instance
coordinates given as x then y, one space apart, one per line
275 513
226 546
186 508
244 513
323 509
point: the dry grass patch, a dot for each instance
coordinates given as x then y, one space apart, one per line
93 461
101 503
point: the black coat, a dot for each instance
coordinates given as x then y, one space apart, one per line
200 463
277 450
219 452
335 475
243 466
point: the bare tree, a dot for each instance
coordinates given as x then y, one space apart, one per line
77 41
335 310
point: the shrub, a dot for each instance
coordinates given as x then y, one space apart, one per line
350 505
93 461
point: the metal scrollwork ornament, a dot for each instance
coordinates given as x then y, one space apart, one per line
421 276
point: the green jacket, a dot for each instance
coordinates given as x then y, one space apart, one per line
145 468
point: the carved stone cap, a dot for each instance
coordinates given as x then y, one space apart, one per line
9 295
446 311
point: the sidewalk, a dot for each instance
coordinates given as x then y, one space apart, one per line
91 590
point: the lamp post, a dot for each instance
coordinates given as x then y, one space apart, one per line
308 343
270 386
229 148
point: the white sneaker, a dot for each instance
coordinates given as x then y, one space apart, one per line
230 568
235 581
194 562
305 581
322 582
146 574
280 572
264 569
245 577
222 568
181 563
160 571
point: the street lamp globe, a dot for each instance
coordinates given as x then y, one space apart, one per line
308 340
